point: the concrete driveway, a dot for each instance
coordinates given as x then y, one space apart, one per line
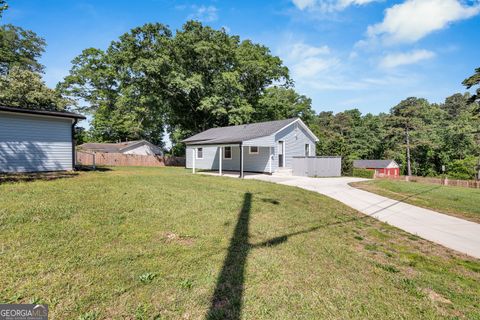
451 232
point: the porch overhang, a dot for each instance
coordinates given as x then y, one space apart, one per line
221 150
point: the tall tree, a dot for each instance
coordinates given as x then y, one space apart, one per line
20 48
281 103
471 81
191 81
3 7
26 89
405 118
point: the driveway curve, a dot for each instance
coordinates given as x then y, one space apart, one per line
451 232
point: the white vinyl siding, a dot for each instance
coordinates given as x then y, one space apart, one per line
251 162
295 138
31 143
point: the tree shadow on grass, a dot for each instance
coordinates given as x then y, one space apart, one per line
226 302
39 176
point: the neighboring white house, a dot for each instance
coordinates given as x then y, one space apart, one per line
267 147
34 140
139 147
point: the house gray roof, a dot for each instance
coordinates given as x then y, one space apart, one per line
372 164
113 147
240 133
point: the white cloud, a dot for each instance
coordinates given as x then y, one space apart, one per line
204 13
306 61
398 59
328 5
414 19
303 4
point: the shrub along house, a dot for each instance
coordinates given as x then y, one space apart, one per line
266 147
381 167
35 140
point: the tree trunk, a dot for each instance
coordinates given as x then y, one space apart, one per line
407 138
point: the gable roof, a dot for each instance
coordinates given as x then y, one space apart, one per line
372 164
61 114
115 147
243 132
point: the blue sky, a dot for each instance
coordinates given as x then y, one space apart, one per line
344 54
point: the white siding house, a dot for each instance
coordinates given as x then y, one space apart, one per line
32 141
266 147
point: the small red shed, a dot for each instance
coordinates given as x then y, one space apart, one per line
381 167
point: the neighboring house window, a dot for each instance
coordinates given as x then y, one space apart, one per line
199 153
253 150
307 150
227 153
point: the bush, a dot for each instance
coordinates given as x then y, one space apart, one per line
363 173
347 167
464 169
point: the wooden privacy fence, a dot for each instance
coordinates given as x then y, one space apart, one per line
443 181
120 159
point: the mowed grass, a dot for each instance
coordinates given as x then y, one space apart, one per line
456 201
161 243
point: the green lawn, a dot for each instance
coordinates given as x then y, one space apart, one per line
456 201
160 243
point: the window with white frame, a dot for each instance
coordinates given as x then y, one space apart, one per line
253 150
199 153
307 150
227 153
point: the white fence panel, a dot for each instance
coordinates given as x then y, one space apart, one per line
317 166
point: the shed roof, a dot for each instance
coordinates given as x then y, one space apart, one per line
113 147
62 114
372 164
240 133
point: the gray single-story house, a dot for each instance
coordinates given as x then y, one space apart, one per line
37 140
139 147
266 147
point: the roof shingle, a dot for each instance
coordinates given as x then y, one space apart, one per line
371 164
240 133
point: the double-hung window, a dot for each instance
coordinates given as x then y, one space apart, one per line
199 153
253 150
227 153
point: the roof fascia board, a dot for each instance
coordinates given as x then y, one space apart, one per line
304 127
26 114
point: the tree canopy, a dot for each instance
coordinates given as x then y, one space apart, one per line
472 81
20 48
21 83
438 134
151 79
25 89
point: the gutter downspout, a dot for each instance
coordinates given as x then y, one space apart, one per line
73 144
241 160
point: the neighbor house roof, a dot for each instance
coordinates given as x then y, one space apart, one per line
372 164
114 147
240 133
63 114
